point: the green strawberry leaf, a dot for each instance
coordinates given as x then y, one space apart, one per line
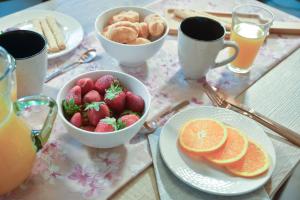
94 105
70 108
113 91
120 124
111 121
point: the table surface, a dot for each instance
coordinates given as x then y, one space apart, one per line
285 77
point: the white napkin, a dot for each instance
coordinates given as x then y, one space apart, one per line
171 188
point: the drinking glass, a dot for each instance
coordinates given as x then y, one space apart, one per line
250 26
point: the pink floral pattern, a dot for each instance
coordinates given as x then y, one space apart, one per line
67 169
80 175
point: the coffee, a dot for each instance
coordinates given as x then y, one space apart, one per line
201 28
22 44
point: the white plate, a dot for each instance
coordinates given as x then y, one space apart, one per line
201 175
72 30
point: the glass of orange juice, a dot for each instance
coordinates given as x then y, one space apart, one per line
250 26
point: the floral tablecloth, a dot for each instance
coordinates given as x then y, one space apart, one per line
66 169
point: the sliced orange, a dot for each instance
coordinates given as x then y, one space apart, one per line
233 150
202 135
255 162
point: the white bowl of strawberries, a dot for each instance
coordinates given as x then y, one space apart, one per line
103 109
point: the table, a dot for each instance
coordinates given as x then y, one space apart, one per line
284 77
255 97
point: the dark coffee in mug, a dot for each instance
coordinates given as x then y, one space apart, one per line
22 43
201 28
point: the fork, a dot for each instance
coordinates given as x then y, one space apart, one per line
219 101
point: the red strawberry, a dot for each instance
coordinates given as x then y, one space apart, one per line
134 102
86 84
76 119
74 93
97 111
106 125
92 96
115 98
88 128
103 83
128 120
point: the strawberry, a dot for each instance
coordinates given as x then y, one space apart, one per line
76 119
70 108
86 84
106 125
74 93
92 96
103 83
109 124
88 128
134 102
127 112
115 98
128 120
97 111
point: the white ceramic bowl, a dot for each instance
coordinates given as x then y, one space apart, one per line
109 139
128 55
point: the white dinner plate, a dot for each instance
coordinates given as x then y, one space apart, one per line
200 174
72 30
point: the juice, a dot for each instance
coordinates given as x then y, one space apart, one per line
14 93
249 37
17 152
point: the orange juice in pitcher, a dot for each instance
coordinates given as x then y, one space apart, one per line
18 144
17 152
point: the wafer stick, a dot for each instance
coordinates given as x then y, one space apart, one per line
56 32
37 26
52 45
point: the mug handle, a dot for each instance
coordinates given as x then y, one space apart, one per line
39 137
226 44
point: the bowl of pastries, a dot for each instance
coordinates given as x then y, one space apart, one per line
131 34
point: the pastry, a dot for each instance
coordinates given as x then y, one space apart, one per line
140 40
130 16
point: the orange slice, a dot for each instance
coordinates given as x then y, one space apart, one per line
255 162
233 150
202 135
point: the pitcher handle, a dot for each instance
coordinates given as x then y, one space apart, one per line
226 44
39 137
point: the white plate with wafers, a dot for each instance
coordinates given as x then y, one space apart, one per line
63 33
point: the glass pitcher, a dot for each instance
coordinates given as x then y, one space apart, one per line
18 144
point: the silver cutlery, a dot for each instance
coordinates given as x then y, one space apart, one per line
219 101
86 57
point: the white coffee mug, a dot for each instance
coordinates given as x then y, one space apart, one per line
30 52
200 40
